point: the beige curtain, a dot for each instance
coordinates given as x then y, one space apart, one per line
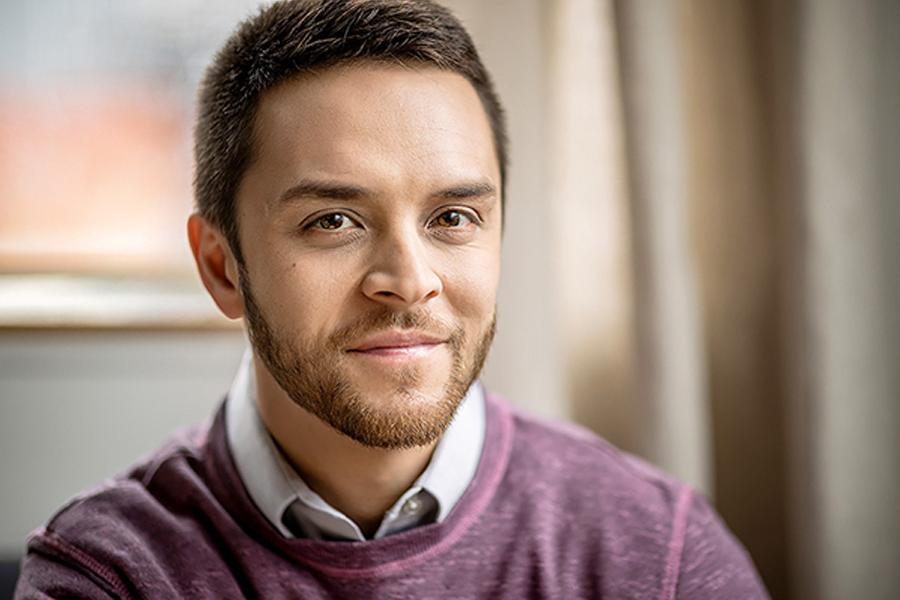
724 176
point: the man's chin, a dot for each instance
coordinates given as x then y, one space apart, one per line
397 418
400 392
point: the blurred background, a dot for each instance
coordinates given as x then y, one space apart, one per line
701 253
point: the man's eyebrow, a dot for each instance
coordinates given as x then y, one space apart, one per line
475 189
333 190
326 190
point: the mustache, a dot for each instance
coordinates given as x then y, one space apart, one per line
387 319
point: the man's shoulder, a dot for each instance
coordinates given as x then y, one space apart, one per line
135 500
569 479
131 523
654 531
566 454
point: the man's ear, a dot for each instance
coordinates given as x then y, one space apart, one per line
216 265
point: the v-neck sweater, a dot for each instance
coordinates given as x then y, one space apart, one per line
553 511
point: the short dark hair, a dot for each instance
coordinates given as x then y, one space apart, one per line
296 36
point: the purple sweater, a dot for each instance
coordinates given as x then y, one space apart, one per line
553 512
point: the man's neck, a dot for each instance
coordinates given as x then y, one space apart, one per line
361 482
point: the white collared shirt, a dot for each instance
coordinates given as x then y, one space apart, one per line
295 510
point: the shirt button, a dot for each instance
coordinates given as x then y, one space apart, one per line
412 506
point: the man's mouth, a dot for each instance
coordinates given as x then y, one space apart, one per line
400 345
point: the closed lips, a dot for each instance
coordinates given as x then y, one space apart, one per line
397 341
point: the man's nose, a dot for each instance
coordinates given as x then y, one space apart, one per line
401 275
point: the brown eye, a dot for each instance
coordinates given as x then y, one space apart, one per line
333 222
452 218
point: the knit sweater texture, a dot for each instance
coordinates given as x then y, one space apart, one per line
552 512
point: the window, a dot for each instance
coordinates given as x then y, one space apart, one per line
96 109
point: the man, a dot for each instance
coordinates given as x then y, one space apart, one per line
350 160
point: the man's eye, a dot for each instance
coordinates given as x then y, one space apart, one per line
333 222
453 218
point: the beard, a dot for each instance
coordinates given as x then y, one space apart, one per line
313 375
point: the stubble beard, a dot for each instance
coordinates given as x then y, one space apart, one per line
313 377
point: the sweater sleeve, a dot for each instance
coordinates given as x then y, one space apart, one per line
713 563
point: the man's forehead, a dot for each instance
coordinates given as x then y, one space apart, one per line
384 89
375 119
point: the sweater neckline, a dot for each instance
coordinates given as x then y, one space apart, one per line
373 558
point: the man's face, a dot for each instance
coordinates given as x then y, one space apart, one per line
370 226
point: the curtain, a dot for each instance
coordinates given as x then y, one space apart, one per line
725 180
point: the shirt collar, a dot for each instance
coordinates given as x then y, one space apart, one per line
259 463
455 458
276 487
